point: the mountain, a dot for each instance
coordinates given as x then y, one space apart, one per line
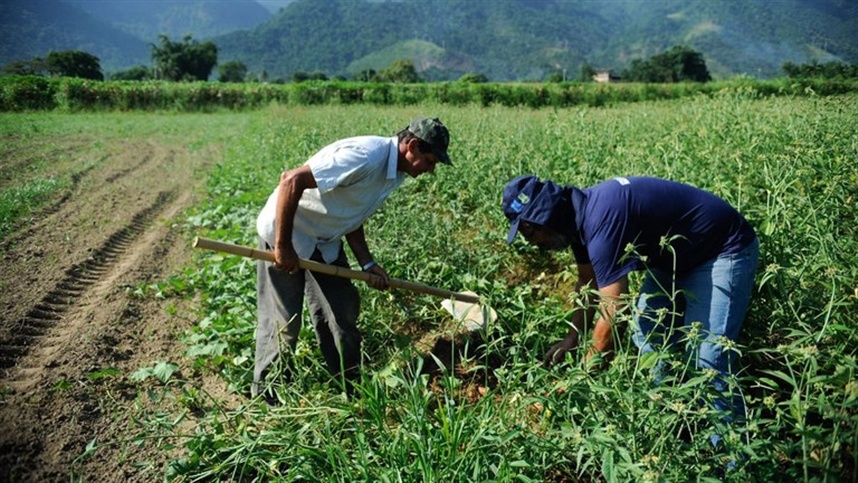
176 18
274 6
514 39
31 29
118 32
528 39
753 37
502 39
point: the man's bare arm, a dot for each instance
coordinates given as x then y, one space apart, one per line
292 185
609 305
580 318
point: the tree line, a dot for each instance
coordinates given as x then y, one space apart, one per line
191 60
828 70
184 60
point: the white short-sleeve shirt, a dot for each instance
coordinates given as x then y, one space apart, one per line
354 177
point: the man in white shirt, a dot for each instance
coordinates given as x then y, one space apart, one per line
310 211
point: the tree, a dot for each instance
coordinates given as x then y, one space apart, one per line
25 67
136 73
689 65
555 77
401 71
473 78
679 64
232 71
828 70
365 75
302 76
587 74
183 61
791 70
74 63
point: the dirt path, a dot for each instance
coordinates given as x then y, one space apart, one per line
71 330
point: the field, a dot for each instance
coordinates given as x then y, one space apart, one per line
126 356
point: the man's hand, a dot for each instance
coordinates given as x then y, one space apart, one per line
286 259
379 278
558 351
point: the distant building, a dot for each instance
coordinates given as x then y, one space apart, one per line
605 76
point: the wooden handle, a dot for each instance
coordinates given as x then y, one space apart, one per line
334 270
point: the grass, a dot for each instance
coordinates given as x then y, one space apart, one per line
497 414
20 201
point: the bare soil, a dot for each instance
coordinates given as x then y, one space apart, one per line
71 329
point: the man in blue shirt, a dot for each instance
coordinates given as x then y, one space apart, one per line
699 254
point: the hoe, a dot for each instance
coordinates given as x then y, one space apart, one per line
465 307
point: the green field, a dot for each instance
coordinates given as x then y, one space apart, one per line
788 164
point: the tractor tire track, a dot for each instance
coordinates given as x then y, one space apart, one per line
44 244
20 155
50 311
76 315
53 208
146 159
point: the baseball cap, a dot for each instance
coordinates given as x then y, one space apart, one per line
526 198
433 132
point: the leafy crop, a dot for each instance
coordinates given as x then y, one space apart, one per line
66 94
496 413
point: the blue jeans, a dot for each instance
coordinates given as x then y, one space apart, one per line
712 301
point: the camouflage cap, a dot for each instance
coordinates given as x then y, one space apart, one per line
433 132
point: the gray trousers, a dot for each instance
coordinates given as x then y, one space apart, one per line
334 305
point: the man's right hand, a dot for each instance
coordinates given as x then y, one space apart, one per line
558 351
286 259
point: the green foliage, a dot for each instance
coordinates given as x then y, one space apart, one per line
401 71
21 93
587 73
679 64
309 76
474 78
365 75
30 29
103 374
517 40
232 71
555 77
512 41
36 66
187 60
177 17
74 63
161 371
69 94
417 50
16 202
828 70
500 415
136 73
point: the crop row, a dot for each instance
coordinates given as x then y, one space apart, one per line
20 93
786 163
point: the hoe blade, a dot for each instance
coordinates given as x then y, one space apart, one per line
474 316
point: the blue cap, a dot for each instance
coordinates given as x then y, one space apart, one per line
526 198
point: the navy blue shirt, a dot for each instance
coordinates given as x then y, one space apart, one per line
640 212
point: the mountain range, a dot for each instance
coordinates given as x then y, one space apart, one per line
503 39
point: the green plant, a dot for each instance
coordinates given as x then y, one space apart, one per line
18 202
495 413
